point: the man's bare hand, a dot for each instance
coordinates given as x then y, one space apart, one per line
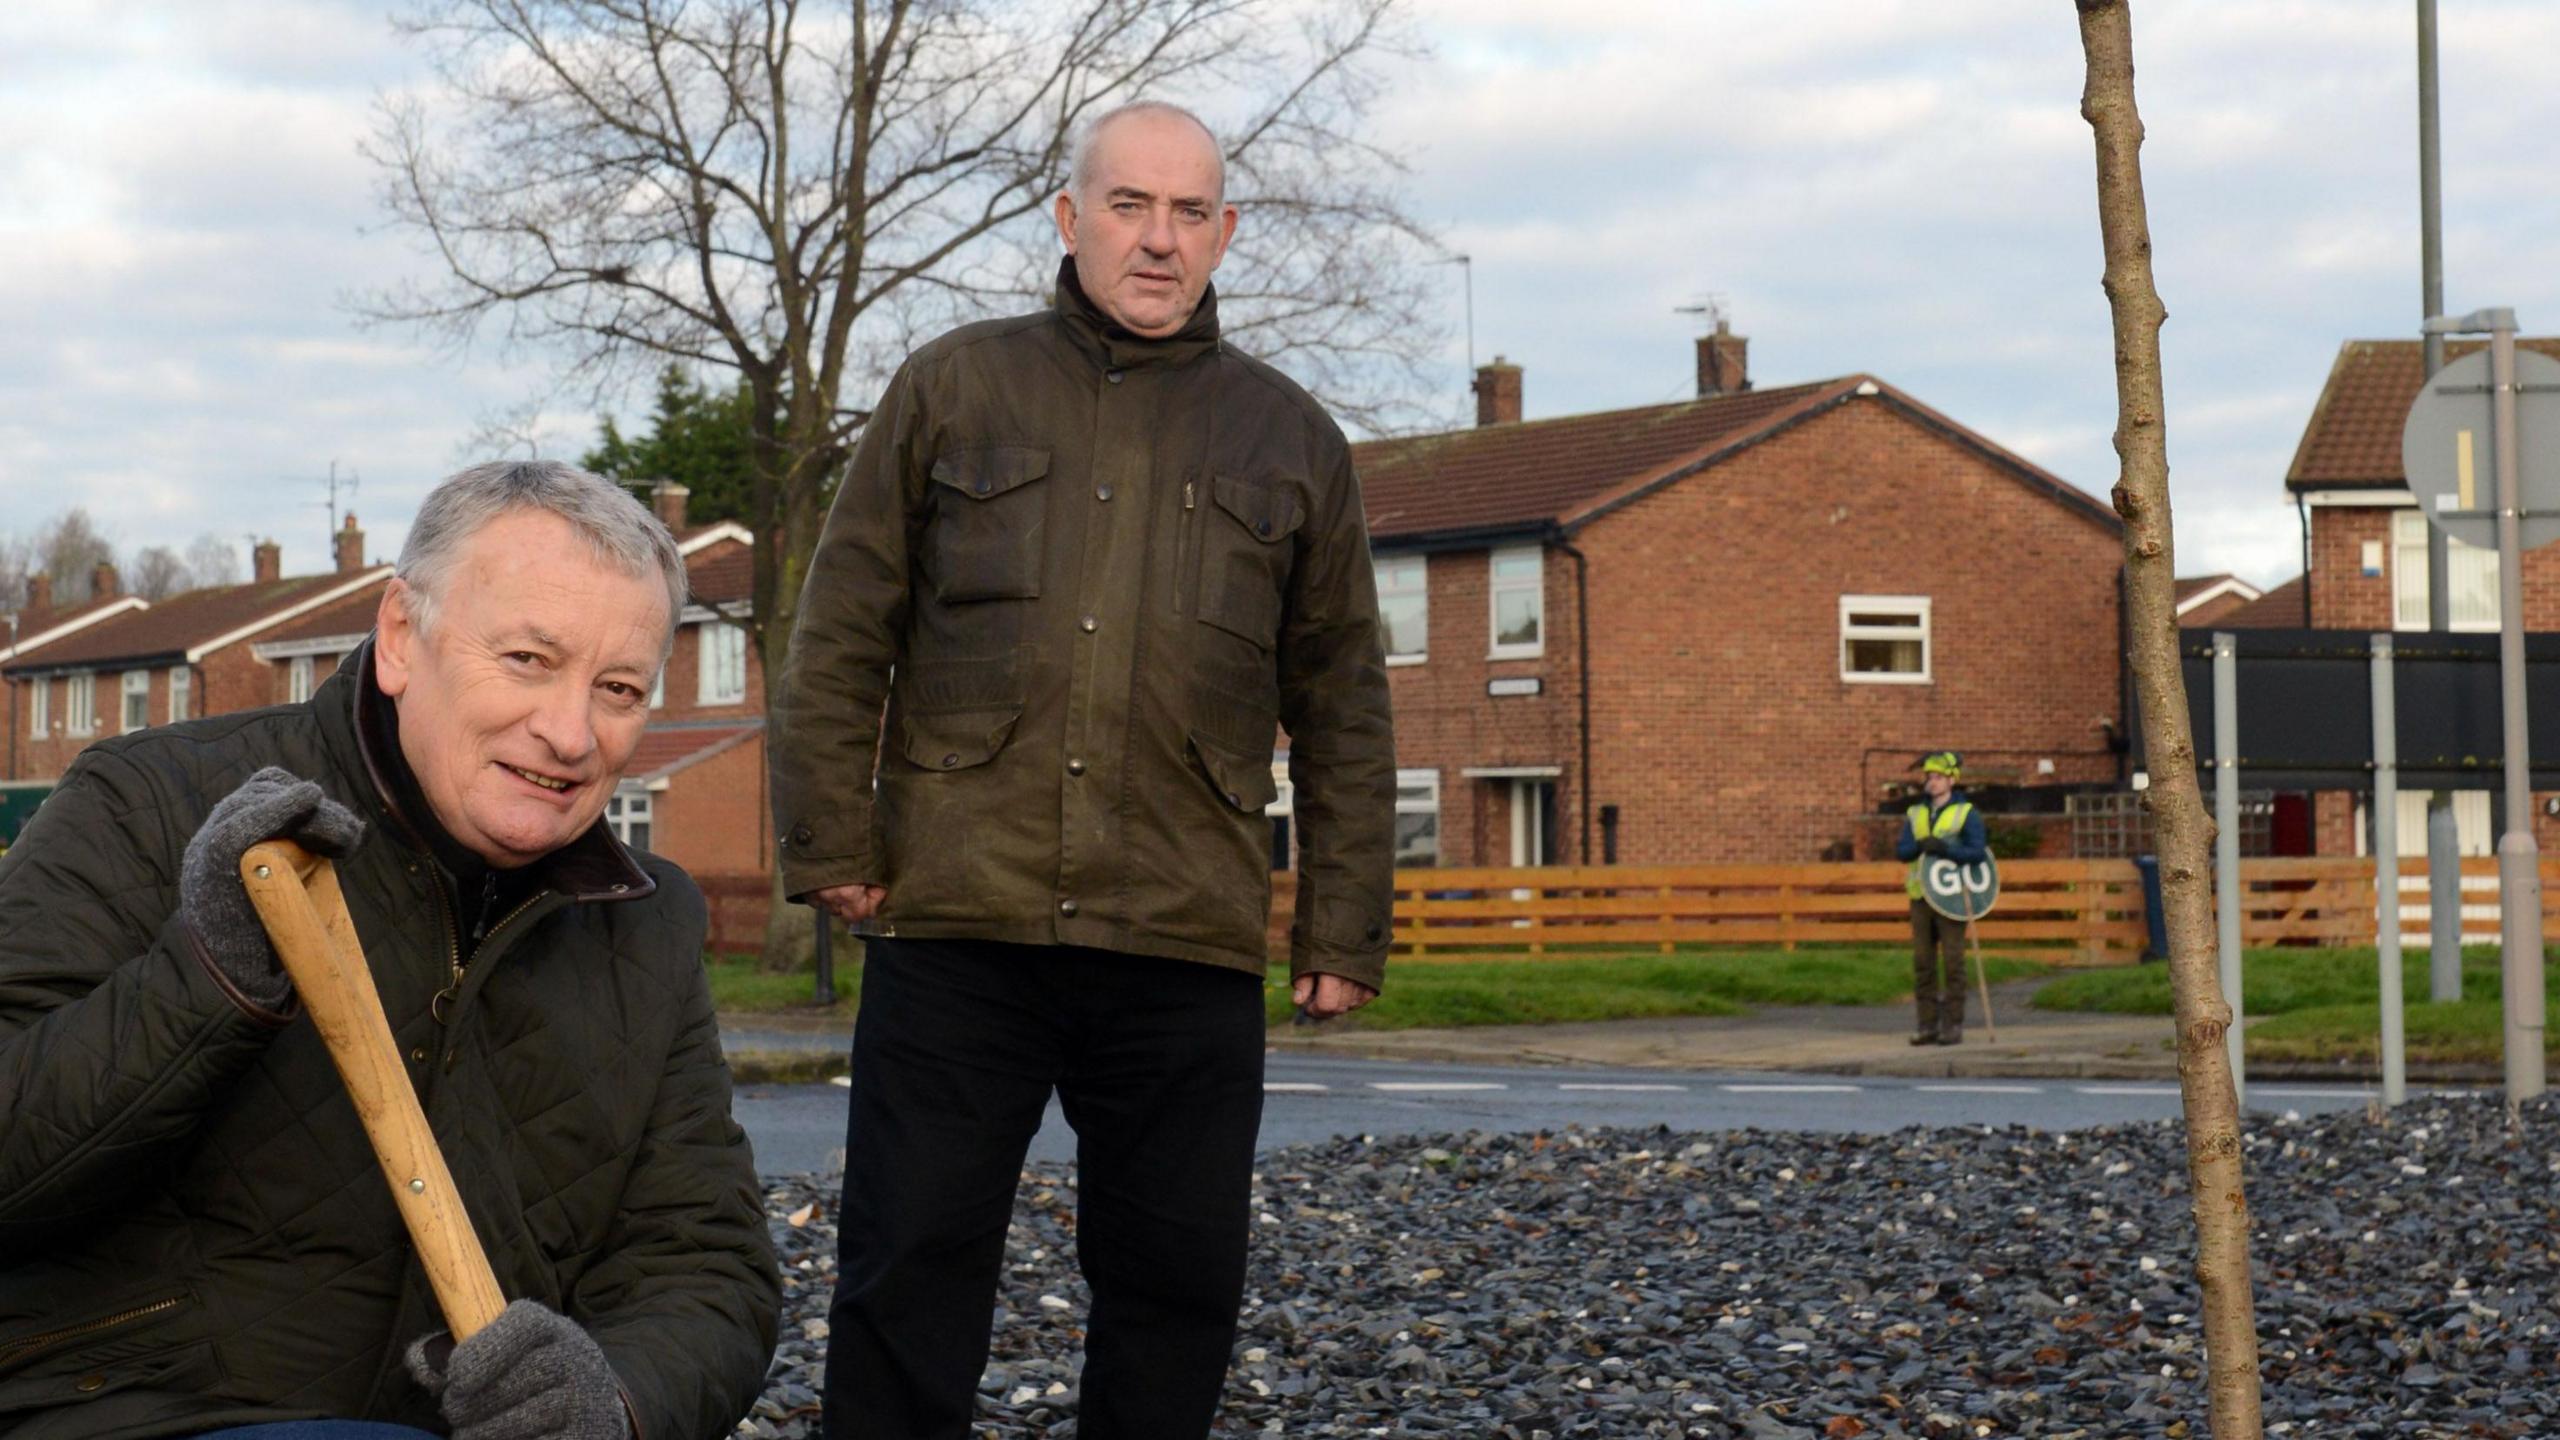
1322 997
850 903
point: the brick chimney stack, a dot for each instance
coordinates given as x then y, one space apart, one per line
40 591
266 562
350 547
1722 366
667 499
1497 393
102 581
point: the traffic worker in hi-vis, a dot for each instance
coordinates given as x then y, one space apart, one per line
1946 826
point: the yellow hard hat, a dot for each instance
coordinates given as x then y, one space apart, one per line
1942 762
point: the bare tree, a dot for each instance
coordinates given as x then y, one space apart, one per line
70 549
158 573
212 561
799 198
2219 1200
17 562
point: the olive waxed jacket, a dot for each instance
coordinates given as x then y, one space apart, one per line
1089 575
194 1231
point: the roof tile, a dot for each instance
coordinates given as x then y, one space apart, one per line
2353 438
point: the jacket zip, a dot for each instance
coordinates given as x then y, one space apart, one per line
1186 572
33 1344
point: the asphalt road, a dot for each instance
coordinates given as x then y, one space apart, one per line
800 1128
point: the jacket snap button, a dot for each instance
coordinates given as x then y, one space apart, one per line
418 1056
1066 907
1375 932
1232 800
984 485
88 1384
1263 529
1101 492
950 760
799 834
1088 624
1075 767
1111 375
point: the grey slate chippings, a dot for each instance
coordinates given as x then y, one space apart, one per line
1769 1286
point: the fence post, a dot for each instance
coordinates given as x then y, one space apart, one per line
2229 889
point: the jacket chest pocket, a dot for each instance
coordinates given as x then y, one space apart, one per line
1245 553
983 534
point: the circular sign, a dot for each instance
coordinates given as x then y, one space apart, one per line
2449 450
1960 892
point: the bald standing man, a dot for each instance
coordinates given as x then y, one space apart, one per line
1084 567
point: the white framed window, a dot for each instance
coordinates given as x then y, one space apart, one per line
1518 586
40 707
629 812
1404 608
658 689
1884 639
1417 817
2472 594
137 700
181 694
80 704
1282 811
297 679
723 662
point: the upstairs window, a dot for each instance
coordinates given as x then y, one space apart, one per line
181 694
39 708
1884 639
1519 589
628 814
2472 595
297 679
80 715
723 661
1404 608
137 700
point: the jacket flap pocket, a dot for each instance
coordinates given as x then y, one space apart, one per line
1244 780
1269 510
182 1368
957 740
990 470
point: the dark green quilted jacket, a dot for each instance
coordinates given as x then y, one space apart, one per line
193 1229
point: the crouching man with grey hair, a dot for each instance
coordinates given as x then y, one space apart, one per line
195 1238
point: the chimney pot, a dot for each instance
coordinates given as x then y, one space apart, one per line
350 546
40 591
667 499
102 581
1497 393
266 562
1723 367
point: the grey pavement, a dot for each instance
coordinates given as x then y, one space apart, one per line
1824 1039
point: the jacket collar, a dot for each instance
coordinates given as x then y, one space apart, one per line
360 724
1108 344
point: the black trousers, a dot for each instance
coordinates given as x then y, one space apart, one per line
1158 1066
1937 972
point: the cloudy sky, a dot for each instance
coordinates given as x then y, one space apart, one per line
1901 187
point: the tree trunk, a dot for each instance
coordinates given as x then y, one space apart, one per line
2184 832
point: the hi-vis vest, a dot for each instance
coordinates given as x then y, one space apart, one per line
1950 825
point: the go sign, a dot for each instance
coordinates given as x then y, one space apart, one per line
1959 892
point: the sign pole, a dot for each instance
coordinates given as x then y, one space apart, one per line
1981 975
2519 863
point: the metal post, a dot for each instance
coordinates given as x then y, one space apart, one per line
2444 896
2226 843
2444 850
826 991
2430 209
2519 864
2386 873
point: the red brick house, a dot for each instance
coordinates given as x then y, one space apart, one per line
192 654
695 789
2204 599
35 623
2365 560
1722 629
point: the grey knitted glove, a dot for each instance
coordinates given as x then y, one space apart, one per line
531 1375
269 805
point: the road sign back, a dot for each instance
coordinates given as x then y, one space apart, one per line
2448 449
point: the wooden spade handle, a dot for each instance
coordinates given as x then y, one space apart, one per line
297 896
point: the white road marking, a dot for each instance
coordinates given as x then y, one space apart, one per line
844 1080
2154 1091
1790 1089
2307 1093
1983 1089
1675 1089
1293 1086
1413 1085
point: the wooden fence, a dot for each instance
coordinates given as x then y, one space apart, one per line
2078 911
